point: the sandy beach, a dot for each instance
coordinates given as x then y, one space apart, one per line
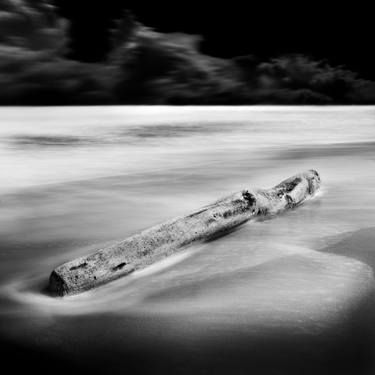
290 295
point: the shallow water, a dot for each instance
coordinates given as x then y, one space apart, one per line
287 295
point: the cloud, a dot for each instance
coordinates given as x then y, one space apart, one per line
303 80
153 67
161 68
150 67
33 69
33 25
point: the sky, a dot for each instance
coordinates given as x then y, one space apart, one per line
342 33
138 52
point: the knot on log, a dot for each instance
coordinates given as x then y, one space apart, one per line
250 198
161 240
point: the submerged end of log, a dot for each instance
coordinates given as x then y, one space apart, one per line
162 240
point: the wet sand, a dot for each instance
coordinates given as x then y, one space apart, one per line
308 312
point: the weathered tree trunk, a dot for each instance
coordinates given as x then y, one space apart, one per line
161 240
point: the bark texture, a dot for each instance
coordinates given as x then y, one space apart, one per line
164 239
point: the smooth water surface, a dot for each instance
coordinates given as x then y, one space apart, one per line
287 295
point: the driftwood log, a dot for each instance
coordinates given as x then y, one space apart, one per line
162 240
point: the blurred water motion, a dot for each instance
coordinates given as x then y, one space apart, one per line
289 295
